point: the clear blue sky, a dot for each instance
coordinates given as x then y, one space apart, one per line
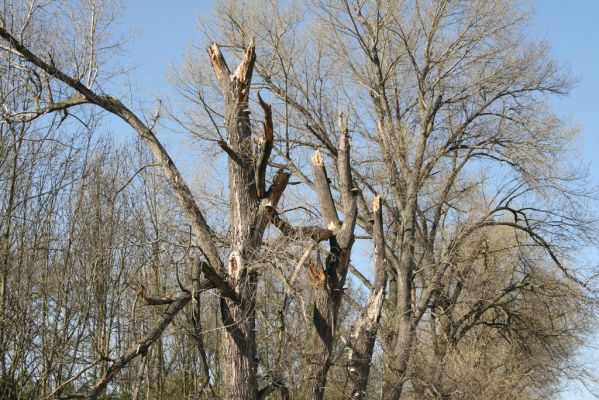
165 28
572 29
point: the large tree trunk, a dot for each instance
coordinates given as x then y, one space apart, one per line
397 363
238 316
240 348
251 207
328 290
322 345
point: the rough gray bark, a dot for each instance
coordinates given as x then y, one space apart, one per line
238 317
251 208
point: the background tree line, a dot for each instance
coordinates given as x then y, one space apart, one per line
383 204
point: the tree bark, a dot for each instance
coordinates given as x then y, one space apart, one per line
329 282
397 363
238 316
362 340
251 208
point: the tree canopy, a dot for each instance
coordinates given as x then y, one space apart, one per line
382 203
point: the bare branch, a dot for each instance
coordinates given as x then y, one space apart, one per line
141 347
203 233
264 156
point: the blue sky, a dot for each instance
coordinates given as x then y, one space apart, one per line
163 29
572 29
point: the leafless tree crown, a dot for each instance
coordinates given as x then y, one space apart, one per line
382 203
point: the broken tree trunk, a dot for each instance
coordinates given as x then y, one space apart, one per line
329 282
251 208
363 337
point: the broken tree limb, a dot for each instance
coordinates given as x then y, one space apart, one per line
322 187
315 233
153 300
266 149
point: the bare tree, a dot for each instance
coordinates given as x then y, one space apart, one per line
458 179
437 89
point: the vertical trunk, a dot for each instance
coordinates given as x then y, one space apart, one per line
328 288
362 340
395 374
442 304
329 282
158 353
5 253
397 364
250 207
139 378
196 314
238 316
240 347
